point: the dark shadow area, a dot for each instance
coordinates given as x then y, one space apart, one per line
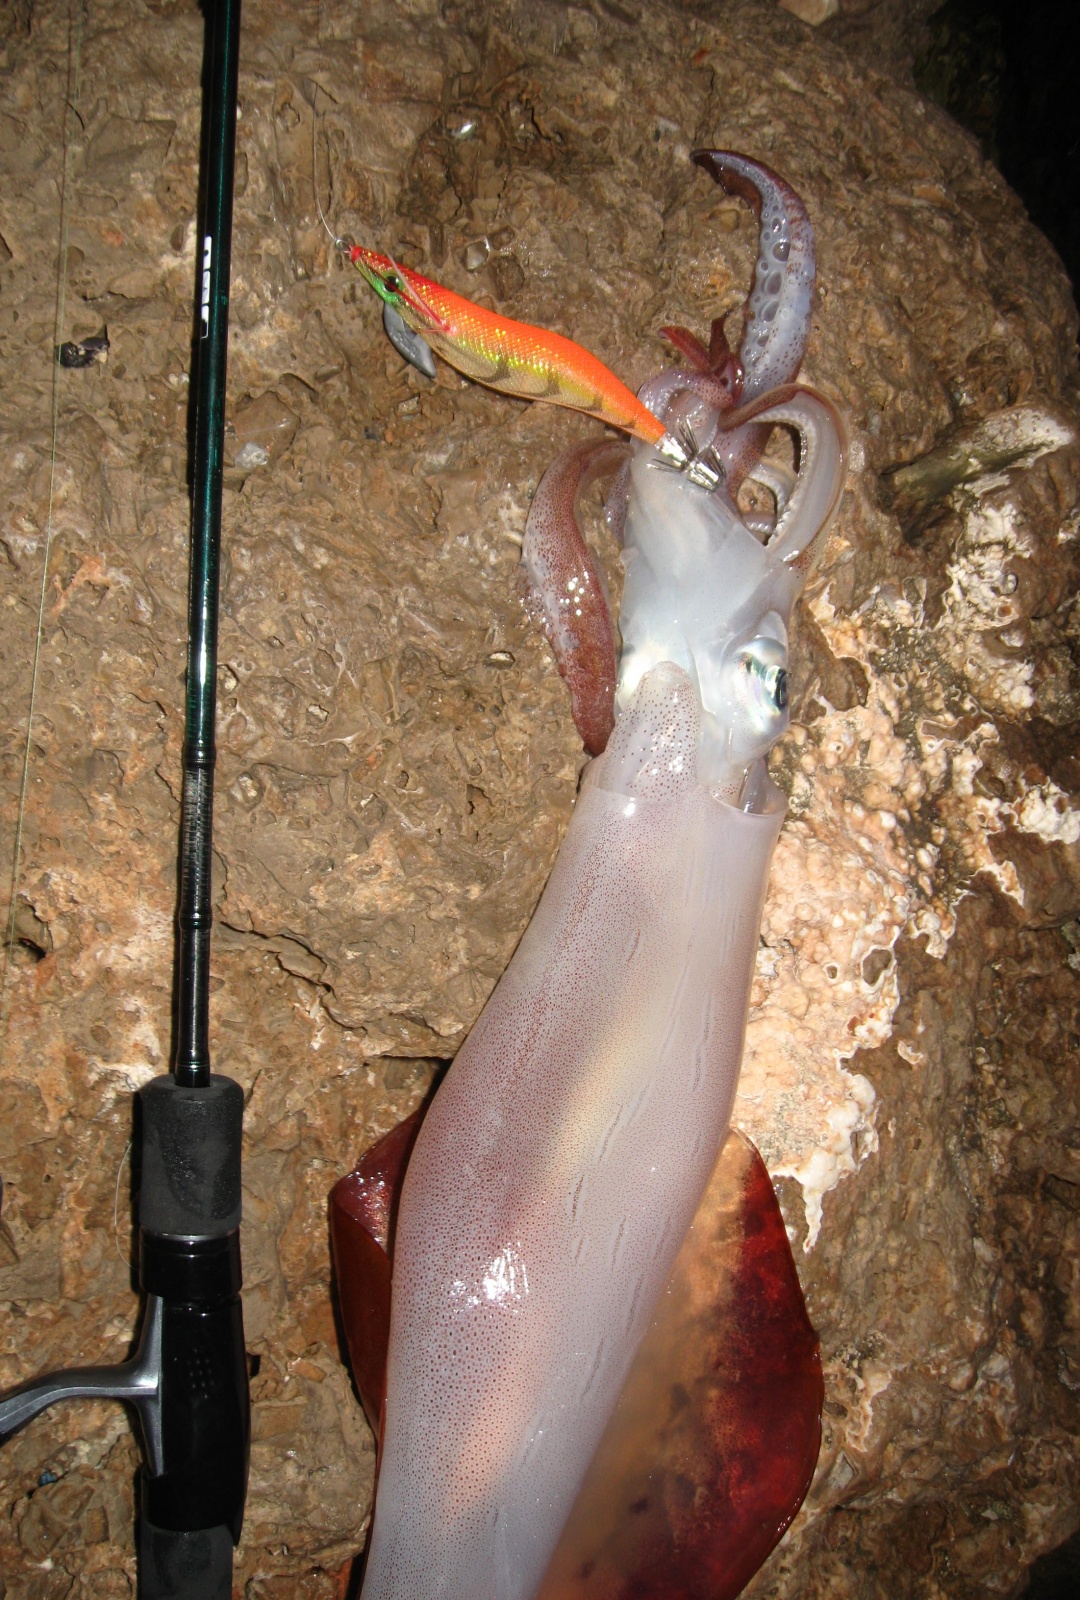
356 1571
1056 1576
1006 70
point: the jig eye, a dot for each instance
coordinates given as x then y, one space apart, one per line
392 283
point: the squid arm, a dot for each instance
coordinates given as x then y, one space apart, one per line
738 389
776 317
568 586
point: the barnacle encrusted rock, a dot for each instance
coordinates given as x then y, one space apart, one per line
397 760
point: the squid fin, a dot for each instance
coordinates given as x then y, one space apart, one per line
362 1210
712 1446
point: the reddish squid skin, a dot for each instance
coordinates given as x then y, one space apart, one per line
683 1501
362 1210
568 588
713 1444
719 363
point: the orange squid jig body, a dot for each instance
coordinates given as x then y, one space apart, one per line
514 357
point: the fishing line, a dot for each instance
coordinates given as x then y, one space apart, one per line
339 244
76 19
116 1204
404 339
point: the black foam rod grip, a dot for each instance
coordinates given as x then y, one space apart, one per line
191 1140
185 1566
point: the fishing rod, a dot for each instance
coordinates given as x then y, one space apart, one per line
188 1378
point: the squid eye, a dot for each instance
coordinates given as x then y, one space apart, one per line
761 674
392 283
765 681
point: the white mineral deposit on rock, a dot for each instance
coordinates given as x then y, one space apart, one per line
1046 812
815 12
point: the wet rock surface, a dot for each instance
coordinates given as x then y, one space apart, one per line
397 760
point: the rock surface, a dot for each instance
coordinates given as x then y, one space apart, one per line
397 761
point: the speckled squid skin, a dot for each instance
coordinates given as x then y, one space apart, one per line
561 1163
568 588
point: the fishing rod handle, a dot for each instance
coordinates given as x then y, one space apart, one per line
185 1566
189 1259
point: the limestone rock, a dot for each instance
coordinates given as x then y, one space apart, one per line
397 761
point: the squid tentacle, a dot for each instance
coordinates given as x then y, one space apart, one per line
777 313
689 345
657 393
814 494
721 355
779 480
776 318
719 360
617 502
568 586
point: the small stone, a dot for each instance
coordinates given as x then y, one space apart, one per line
462 124
262 430
252 455
507 276
815 12
475 255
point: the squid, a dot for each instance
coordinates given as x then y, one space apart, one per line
568 1294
